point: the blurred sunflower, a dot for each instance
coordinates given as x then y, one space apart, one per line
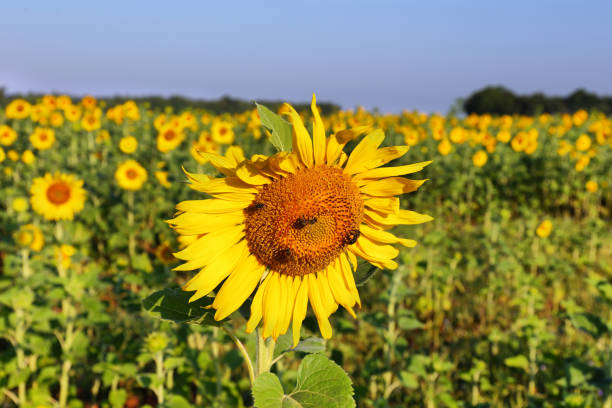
42 138
544 229
7 135
290 226
30 236
162 177
28 157
480 158
169 138
130 175
18 109
58 196
222 132
128 144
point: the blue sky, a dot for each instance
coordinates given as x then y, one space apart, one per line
388 54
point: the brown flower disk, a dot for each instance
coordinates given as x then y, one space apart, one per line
297 225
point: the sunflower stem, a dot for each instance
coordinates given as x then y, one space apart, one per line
132 241
264 351
244 352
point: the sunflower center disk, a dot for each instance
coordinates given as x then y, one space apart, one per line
58 193
299 224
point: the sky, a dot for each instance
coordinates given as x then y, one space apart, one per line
390 55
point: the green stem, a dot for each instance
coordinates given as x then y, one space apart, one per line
132 238
21 363
264 351
244 353
26 272
159 372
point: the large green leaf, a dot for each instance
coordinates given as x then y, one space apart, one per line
320 383
173 304
280 129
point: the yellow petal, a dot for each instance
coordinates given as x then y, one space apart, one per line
379 263
211 244
375 250
386 221
224 185
386 205
318 133
340 291
210 206
291 286
238 287
364 152
385 154
326 294
272 303
302 144
191 223
382 172
390 186
213 274
235 155
248 173
222 164
257 306
347 274
299 309
384 237
318 306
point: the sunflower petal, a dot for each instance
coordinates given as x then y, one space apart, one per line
382 172
384 237
364 152
302 144
391 186
213 274
318 305
318 133
300 307
209 206
257 306
238 287
248 173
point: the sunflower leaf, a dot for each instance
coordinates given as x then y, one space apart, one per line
320 383
173 304
281 129
363 273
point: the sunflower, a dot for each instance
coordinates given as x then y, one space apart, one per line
169 137
290 227
58 196
128 144
18 109
222 132
130 175
7 135
30 236
42 138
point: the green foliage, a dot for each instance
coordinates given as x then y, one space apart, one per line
320 383
281 129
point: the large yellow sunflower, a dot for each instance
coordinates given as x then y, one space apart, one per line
58 196
130 175
290 227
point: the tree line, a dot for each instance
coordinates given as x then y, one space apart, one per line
502 101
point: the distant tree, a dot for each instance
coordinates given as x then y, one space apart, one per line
493 99
499 100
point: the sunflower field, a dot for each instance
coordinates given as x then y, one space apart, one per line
121 284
